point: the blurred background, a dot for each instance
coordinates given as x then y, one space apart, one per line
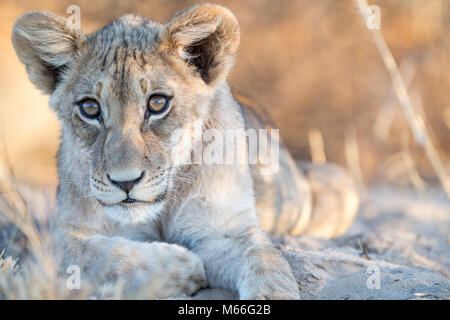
311 65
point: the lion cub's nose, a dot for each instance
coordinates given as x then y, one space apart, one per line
126 185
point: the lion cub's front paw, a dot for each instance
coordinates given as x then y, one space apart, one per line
185 273
274 281
164 270
180 272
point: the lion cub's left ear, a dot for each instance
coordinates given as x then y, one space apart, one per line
206 36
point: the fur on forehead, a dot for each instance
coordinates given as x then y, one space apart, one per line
129 31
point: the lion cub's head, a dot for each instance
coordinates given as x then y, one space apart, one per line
123 91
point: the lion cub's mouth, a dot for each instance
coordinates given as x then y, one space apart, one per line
128 202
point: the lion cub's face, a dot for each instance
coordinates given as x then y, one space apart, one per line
122 109
125 93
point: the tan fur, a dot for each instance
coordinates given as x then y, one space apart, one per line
195 224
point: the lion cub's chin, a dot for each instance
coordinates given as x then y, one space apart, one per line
135 214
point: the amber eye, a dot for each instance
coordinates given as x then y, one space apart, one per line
157 104
90 108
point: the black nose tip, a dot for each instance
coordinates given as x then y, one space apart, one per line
126 185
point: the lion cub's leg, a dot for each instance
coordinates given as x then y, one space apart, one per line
335 199
303 198
160 270
237 254
247 262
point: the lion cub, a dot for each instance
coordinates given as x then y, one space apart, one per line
130 207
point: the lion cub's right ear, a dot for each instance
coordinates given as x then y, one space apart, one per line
45 43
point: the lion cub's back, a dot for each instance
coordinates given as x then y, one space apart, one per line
295 199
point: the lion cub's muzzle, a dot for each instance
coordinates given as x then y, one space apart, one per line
126 183
130 188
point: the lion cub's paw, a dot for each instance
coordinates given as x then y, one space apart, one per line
161 270
180 272
274 281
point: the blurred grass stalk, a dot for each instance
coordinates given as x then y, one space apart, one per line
415 120
388 110
353 159
317 148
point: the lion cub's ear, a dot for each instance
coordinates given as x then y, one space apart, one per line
206 36
45 43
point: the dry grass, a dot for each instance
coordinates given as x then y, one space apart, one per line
35 275
414 118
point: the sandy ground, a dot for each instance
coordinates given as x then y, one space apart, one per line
399 235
